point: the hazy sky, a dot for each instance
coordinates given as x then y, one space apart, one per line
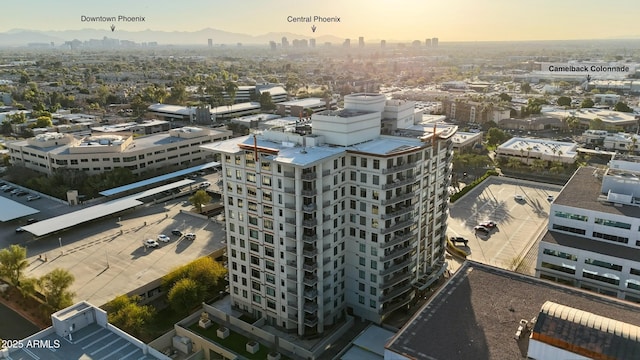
450 20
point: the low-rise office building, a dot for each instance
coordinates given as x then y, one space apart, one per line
592 238
97 153
527 150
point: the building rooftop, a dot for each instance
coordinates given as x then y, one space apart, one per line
544 146
345 113
476 313
583 191
596 246
304 102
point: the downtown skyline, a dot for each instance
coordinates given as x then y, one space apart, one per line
407 20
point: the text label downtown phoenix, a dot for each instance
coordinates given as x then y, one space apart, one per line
316 18
119 18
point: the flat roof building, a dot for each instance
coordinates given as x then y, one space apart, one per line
528 149
484 312
339 218
103 152
591 240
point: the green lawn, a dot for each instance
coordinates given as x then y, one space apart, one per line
234 341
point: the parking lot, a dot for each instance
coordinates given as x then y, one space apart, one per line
519 222
107 256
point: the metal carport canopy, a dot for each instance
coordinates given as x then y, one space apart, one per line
65 221
10 210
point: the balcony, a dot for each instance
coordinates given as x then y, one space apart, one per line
397 226
308 192
291 221
399 167
292 290
397 183
309 175
397 253
397 211
394 306
326 247
326 203
293 317
395 292
309 207
326 260
309 222
395 279
292 277
398 198
326 232
326 172
310 280
310 307
326 218
292 263
292 305
326 188
289 174
310 252
291 235
290 190
290 206
312 321
309 239
393 268
310 294
398 239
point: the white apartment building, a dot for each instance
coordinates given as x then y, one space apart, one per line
342 219
105 151
593 238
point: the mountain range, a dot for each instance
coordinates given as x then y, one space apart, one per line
23 37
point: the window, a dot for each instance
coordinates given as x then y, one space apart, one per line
361 274
376 164
609 237
372 304
374 265
566 215
363 178
269 278
362 261
612 223
256 298
560 254
376 179
568 229
363 248
363 162
373 291
603 264
361 286
564 269
361 299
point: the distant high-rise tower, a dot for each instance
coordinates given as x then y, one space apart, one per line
383 43
427 42
361 41
434 42
416 43
347 43
273 45
210 42
312 43
285 42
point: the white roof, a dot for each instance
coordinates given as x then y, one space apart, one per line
65 221
10 210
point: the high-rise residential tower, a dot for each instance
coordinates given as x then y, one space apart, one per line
340 218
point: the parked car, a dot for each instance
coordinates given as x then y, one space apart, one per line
518 197
33 197
163 238
176 232
190 236
150 243
459 239
489 224
8 188
550 198
481 229
21 193
205 185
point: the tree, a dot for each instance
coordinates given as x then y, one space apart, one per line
496 136
200 198
564 101
587 103
125 313
43 122
505 97
525 87
205 271
620 106
13 262
185 295
54 286
596 124
266 102
572 123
